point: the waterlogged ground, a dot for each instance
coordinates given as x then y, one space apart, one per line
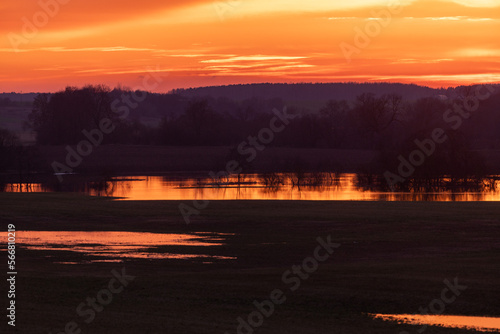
117 246
393 258
480 324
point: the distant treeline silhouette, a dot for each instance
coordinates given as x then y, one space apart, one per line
388 123
382 122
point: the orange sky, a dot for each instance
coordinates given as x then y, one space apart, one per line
198 43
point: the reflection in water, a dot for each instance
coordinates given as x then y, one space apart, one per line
482 324
99 187
280 186
118 245
23 188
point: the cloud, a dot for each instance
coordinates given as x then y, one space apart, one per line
343 18
85 13
453 18
478 3
445 18
476 52
259 39
86 49
421 61
101 49
250 58
318 5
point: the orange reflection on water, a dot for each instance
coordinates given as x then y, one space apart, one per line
482 324
24 188
118 244
156 188
341 187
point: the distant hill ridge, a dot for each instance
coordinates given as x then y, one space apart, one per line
319 92
312 91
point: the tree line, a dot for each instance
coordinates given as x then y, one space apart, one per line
369 122
386 123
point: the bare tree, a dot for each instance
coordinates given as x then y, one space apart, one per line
376 114
335 113
198 113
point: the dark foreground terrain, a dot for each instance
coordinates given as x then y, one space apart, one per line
144 160
393 258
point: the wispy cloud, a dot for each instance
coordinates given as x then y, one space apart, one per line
476 52
480 19
93 49
87 49
250 58
449 18
421 61
478 3
445 18
343 18
259 40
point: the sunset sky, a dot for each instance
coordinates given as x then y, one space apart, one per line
194 43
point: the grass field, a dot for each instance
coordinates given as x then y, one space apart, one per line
393 258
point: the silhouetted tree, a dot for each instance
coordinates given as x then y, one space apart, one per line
16 158
197 114
7 145
61 117
335 118
5 102
376 114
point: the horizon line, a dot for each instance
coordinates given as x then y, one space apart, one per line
171 91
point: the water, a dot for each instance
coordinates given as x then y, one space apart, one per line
325 186
116 246
480 324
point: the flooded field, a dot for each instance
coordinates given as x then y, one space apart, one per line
392 259
275 186
480 324
116 246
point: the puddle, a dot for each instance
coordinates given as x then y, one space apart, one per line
481 324
115 246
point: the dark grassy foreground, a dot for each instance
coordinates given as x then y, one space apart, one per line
393 258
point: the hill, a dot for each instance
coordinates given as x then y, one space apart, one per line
320 92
